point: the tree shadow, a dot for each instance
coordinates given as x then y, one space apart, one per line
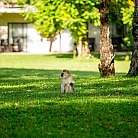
20 73
119 56
123 57
62 55
81 119
24 84
118 88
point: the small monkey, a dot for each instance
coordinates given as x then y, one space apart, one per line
67 82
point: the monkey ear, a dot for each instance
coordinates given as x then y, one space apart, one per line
65 70
68 71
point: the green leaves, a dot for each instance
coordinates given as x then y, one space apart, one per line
127 15
53 16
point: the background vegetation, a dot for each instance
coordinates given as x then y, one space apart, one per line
53 16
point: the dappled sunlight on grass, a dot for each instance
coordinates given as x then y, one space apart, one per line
65 100
31 104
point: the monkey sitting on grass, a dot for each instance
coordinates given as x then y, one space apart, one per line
67 82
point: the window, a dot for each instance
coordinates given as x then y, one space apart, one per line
18 35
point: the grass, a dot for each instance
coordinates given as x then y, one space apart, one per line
31 105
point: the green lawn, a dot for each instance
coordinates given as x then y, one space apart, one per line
31 105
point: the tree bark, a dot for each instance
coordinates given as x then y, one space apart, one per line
133 70
106 65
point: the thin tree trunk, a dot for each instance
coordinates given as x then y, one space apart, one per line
60 42
79 48
50 45
85 49
75 50
82 48
133 71
106 65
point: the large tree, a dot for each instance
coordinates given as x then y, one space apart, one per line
106 67
111 10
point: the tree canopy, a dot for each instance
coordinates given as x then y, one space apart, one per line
53 16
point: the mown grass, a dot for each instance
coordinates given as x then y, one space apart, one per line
31 105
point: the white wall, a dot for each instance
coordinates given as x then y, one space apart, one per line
37 44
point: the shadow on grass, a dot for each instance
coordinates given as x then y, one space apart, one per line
123 57
40 73
61 55
64 56
24 84
48 81
88 119
31 105
127 87
119 56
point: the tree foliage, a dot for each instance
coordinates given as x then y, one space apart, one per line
74 14
127 18
53 16
127 13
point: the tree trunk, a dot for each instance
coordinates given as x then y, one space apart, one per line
79 48
82 49
60 42
85 48
133 71
106 65
75 50
50 45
